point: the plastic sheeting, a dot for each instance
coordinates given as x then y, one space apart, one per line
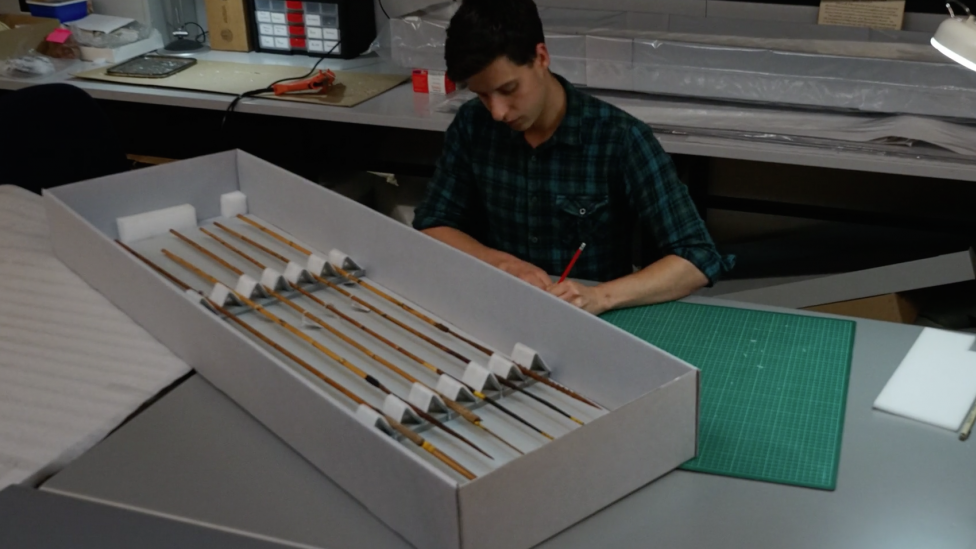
611 50
892 135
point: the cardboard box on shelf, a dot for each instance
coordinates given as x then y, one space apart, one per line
228 23
888 308
26 33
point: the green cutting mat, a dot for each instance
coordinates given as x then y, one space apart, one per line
773 387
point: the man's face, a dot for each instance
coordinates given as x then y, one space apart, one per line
514 94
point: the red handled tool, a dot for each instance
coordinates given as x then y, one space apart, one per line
320 82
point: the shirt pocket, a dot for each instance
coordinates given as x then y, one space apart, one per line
584 217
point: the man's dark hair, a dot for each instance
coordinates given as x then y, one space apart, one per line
484 30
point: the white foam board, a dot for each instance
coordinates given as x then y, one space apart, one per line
936 382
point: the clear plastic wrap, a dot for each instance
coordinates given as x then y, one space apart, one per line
129 34
416 41
612 50
27 66
792 78
892 135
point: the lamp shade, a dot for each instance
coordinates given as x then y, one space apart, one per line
956 39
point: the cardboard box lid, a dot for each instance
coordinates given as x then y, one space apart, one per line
26 33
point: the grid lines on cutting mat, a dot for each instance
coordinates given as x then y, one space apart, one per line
773 389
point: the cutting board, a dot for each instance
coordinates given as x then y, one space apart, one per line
773 387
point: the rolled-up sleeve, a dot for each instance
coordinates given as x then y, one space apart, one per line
450 191
666 213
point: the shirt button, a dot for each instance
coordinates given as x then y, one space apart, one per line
533 239
582 211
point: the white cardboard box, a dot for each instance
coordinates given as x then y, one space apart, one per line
652 396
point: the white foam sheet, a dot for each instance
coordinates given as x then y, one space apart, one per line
72 366
936 382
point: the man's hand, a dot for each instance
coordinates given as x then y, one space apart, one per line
523 270
590 299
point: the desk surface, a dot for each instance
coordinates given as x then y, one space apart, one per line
197 456
401 108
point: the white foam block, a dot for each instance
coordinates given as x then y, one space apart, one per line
294 273
232 204
137 227
936 382
316 264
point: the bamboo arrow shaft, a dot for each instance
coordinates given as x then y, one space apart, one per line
461 410
257 245
233 248
322 348
400 428
207 253
385 316
526 371
453 405
468 415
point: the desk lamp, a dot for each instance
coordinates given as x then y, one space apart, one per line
956 38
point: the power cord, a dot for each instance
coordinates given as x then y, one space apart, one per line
202 37
380 2
270 88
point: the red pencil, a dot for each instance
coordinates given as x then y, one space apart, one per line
571 263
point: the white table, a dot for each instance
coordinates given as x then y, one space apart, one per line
197 457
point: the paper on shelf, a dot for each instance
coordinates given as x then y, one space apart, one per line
102 23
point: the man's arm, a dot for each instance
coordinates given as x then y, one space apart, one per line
448 205
668 217
667 279
501 260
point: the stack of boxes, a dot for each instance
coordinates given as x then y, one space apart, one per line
287 26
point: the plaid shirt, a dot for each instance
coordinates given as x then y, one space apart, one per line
599 177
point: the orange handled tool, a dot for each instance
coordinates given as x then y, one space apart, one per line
320 82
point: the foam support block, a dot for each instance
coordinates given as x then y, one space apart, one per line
232 204
137 227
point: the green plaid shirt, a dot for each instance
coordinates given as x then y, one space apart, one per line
601 176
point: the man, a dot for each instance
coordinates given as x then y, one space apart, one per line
534 168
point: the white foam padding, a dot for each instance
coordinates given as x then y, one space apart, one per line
247 286
337 258
294 272
369 417
936 382
222 295
317 264
425 399
475 375
399 410
447 385
528 357
137 227
273 279
60 396
232 204
502 367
